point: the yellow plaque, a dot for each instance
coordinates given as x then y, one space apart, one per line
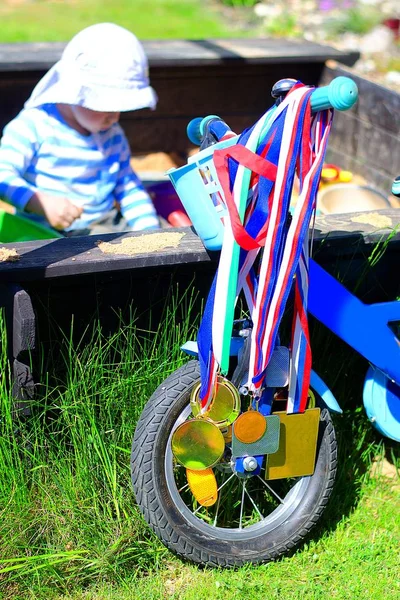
297 445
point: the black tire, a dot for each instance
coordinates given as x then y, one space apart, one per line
193 538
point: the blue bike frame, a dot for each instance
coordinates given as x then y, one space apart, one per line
363 326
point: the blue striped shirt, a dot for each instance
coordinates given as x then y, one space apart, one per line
39 151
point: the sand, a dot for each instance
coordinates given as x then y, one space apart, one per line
8 255
143 244
374 219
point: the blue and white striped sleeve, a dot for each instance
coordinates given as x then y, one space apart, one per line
136 205
17 148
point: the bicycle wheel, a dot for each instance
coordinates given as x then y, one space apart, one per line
253 520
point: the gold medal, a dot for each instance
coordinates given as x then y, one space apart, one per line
224 407
250 427
198 444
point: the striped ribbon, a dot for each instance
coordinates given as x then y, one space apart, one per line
300 366
256 176
215 330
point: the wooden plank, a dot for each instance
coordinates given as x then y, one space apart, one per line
249 50
15 89
380 179
21 337
374 146
23 389
23 324
81 255
20 319
42 55
379 148
341 226
38 56
238 88
344 132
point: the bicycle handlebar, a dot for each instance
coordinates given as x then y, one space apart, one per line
341 94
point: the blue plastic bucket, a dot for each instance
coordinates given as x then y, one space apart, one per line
199 190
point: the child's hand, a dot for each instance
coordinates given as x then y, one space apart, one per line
59 212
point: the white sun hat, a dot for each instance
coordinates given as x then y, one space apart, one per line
103 68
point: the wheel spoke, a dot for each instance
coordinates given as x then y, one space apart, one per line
271 490
254 504
217 510
242 504
225 482
197 509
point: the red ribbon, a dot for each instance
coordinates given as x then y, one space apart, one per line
256 164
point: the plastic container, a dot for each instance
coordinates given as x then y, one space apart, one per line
198 187
343 198
14 228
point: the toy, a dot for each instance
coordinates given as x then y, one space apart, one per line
15 228
339 198
167 203
333 174
265 468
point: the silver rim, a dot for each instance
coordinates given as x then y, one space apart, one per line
256 506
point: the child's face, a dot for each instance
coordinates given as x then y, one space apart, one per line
94 121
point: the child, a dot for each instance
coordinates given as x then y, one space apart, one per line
65 157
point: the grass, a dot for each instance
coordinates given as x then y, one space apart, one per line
67 513
235 3
69 527
52 20
359 560
284 25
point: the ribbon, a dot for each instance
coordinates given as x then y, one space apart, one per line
256 177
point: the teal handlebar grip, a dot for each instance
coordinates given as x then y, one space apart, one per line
195 128
193 131
340 94
396 187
